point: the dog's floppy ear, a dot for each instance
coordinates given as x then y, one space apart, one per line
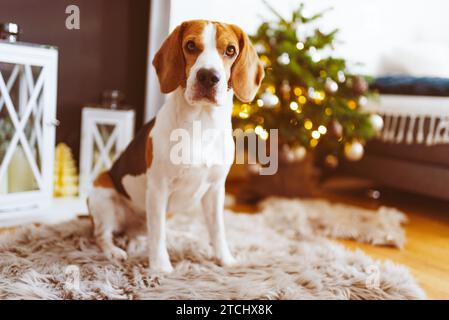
247 71
169 62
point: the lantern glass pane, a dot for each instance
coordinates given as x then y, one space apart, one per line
21 127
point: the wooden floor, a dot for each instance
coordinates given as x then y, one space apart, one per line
427 249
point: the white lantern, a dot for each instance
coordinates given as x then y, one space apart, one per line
105 133
28 82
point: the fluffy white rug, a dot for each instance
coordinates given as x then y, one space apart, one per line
281 251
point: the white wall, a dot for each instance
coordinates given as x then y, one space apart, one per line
408 36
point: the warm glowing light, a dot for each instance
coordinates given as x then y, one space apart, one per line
322 129
308 124
352 104
264 135
271 89
313 143
261 132
294 106
316 134
258 129
319 95
244 111
302 99
297 91
323 74
328 111
243 115
259 102
300 45
265 60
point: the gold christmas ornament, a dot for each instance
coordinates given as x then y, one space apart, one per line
352 104
354 151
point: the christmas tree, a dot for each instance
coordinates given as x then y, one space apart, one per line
308 95
66 177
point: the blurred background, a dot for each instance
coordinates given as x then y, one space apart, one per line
359 91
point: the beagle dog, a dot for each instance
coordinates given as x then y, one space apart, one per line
202 64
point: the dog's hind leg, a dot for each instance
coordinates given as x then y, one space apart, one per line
108 214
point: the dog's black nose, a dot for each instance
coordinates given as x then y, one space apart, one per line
208 78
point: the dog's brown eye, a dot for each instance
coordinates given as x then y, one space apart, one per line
230 51
191 46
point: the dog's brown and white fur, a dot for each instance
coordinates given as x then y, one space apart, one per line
202 64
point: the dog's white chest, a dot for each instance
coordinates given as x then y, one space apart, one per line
187 185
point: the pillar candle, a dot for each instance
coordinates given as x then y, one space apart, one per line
20 176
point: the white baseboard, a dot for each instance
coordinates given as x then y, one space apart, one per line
60 209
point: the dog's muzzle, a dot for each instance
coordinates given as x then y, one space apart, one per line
207 83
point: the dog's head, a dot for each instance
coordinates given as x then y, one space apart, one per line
207 59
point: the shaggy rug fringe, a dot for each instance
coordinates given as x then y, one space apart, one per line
282 254
338 221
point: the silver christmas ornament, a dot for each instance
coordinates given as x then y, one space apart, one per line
354 151
363 101
341 76
377 122
330 85
299 153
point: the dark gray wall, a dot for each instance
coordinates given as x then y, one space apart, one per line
108 52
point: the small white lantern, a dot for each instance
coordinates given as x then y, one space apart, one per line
105 133
28 84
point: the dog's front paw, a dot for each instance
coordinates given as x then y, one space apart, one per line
116 254
227 261
161 266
